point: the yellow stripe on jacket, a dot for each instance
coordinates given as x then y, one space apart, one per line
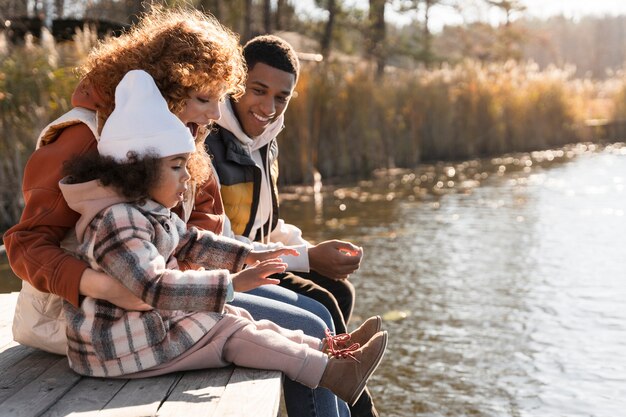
237 200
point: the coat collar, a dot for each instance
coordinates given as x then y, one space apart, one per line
154 208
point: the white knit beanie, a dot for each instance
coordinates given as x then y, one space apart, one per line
141 121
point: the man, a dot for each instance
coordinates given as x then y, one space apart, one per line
244 149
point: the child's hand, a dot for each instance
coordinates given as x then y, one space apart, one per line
255 256
257 274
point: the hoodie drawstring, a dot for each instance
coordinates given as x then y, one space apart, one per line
268 178
267 182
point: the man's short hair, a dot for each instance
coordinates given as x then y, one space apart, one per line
273 51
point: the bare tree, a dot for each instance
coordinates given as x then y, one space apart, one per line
267 16
59 8
376 35
247 21
134 9
424 8
13 8
508 7
510 37
39 8
427 38
278 15
214 7
326 41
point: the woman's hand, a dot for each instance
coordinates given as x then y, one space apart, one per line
100 285
255 256
257 274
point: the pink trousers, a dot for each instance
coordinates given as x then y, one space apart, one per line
239 339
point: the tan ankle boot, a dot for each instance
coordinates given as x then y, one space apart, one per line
349 369
366 331
361 335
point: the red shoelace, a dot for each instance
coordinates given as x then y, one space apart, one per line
335 351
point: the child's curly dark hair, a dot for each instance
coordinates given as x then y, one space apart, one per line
132 179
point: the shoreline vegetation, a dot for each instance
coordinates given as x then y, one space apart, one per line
345 122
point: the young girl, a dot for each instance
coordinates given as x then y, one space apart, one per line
124 195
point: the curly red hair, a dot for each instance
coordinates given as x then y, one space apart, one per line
182 49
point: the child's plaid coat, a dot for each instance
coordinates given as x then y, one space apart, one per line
140 246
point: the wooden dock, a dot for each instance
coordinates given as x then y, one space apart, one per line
36 383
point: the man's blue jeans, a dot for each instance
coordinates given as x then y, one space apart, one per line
295 311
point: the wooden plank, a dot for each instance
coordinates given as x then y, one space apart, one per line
139 397
38 396
10 356
237 400
90 395
26 371
197 394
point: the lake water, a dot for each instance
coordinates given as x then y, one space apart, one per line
502 282
511 274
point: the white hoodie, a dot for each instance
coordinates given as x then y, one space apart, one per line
283 234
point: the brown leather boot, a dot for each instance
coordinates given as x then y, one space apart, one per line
349 369
361 335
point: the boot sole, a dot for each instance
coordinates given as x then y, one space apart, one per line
369 372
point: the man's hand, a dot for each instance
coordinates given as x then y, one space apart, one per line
100 285
335 259
257 275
